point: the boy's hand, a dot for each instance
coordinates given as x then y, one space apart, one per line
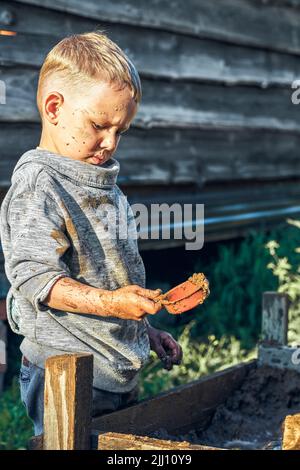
131 302
166 347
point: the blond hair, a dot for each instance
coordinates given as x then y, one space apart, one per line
85 58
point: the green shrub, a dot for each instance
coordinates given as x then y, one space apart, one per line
225 329
287 271
199 359
15 426
238 277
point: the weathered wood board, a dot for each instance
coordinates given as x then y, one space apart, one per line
244 156
160 54
216 109
177 106
283 357
68 402
291 433
245 22
178 410
118 441
275 318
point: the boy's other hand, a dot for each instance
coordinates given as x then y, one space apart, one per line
166 347
131 302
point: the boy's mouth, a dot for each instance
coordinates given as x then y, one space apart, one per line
97 160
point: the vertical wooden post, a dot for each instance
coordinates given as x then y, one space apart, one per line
275 318
68 402
291 432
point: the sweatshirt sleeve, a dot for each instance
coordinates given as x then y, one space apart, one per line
38 242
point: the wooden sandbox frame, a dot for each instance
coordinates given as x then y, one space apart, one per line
68 423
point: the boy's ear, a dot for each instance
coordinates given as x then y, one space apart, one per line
53 102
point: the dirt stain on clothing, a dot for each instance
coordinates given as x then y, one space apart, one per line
90 202
75 238
59 238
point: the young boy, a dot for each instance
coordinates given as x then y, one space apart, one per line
74 286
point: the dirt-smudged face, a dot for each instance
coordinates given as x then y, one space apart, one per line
87 127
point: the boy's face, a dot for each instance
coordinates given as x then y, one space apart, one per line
87 127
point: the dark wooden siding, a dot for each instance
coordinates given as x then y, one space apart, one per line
216 125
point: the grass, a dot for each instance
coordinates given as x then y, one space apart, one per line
15 426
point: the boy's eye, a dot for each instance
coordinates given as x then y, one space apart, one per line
98 127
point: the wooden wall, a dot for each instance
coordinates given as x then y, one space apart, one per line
216 125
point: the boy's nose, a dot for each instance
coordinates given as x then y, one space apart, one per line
109 142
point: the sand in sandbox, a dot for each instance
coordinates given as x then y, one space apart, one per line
252 416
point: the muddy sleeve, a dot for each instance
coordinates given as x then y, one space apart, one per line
38 242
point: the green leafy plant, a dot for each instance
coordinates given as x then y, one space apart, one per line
15 426
238 277
199 359
287 271
225 329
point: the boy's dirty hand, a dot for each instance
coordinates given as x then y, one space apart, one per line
131 302
166 347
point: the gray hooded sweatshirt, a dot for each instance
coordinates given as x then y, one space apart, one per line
63 217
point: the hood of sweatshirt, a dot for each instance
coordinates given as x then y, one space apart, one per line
103 176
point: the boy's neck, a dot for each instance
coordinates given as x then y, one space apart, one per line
46 143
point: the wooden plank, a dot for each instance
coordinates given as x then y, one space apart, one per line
159 55
230 209
68 402
220 200
180 106
118 441
235 21
291 432
282 357
194 404
182 156
275 318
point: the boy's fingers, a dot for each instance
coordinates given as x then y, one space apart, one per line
149 293
152 294
148 306
165 359
167 362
